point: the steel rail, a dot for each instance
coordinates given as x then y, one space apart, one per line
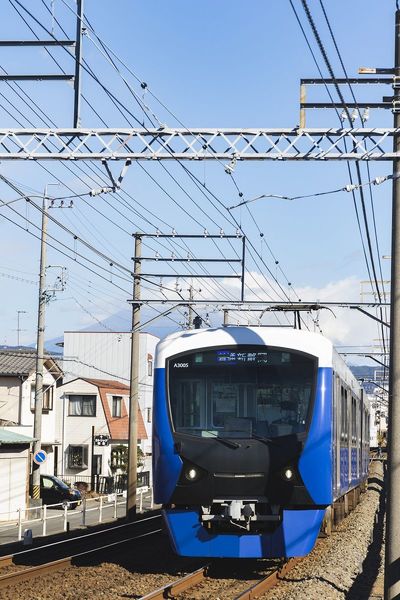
178 586
9 559
63 563
268 582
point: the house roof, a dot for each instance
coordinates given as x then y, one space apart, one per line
118 426
23 362
8 438
107 383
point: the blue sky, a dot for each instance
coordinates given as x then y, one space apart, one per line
213 64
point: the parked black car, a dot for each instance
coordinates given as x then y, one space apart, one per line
55 491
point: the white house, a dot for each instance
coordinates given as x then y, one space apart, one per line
107 355
94 426
17 399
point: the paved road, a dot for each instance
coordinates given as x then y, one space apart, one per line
76 519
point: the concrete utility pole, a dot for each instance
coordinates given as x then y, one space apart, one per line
37 424
134 384
392 546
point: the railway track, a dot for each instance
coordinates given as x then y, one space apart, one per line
203 574
29 564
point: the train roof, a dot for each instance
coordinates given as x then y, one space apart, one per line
285 337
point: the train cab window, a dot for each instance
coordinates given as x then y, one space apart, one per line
241 392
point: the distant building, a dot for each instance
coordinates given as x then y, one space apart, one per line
17 399
107 355
378 419
94 426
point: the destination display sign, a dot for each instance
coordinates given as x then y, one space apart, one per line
232 357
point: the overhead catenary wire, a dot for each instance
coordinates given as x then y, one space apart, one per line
18 3
86 69
32 30
338 115
367 165
338 90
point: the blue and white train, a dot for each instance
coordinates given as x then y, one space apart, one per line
256 431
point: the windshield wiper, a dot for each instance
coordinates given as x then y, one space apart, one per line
265 440
228 443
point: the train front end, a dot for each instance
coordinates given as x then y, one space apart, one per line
242 440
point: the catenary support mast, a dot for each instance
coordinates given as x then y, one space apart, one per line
134 383
392 550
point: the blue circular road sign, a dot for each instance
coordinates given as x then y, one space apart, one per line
40 457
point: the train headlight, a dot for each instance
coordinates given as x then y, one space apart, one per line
192 474
288 474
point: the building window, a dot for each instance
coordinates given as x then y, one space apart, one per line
47 403
78 457
116 406
82 406
150 367
148 415
119 458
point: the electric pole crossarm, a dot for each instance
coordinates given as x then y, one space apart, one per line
41 43
198 144
57 77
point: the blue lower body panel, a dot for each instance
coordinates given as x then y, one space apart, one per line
295 536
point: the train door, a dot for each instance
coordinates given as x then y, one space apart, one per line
344 440
353 445
336 435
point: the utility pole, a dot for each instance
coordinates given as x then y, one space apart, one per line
392 544
134 383
37 424
78 62
190 311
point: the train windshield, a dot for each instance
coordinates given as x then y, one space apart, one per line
241 392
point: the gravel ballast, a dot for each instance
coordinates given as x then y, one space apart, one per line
344 565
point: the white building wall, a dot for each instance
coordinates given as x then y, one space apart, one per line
48 437
107 355
15 405
77 430
14 481
10 398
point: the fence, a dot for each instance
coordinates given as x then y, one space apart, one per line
58 517
106 484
